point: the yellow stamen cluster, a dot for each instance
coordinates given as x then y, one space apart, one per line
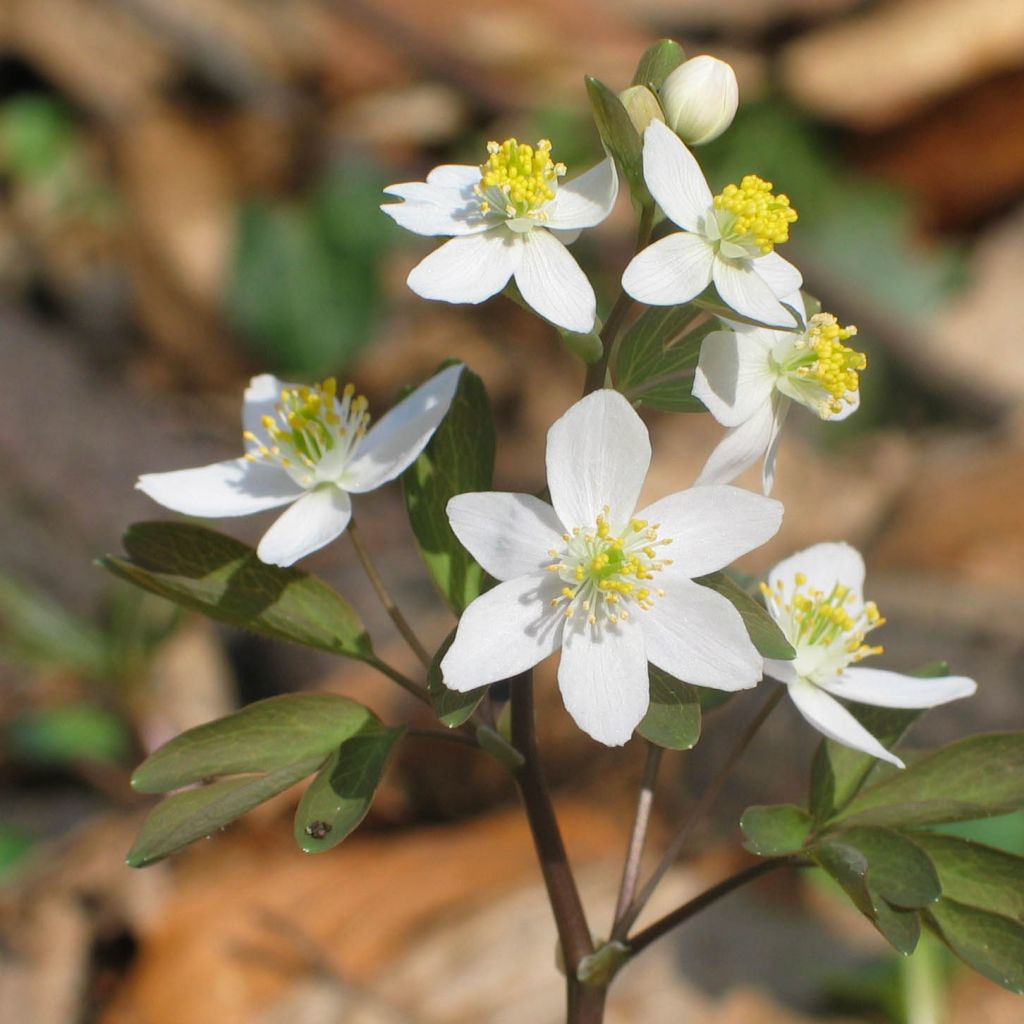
605 573
759 213
836 368
309 422
518 179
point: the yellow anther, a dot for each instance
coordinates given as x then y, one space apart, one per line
800 579
836 369
518 178
759 214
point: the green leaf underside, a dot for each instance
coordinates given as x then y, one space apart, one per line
658 354
984 773
339 797
976 875
990 943
899 870
839 772
673 716
210 573
657 63
263 737
765 635
185 817
619 136
458 459
451 707
772 831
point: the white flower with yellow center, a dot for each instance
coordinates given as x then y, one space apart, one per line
510 219
307 447
609 586
749 376
815 596
728 239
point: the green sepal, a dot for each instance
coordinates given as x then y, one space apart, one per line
619 136
775 830
224 579
452 707
673 716
764 633
658 61
337 800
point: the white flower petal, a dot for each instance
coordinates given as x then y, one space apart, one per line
741 447
550 281
782 278
395 440
824 565
505 631
468 269
893 690
831 719
598 454
671 271
741 288
711 527
313 521
603 679
459 176
696 635
238 487
508 534
674 177
586 200
433 212
259 400
780 407
850 402
783 671
734 375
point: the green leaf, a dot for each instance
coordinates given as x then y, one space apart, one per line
673 717
619 136
265 736
765 635
839 772
185 817
990 943
452 707
210 573
974 778
69 732
710 303
459 458
976 875
901 927
657 63
658 354
339 797
772 831
899 870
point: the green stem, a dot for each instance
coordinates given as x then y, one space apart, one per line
419 692
386 600
447 735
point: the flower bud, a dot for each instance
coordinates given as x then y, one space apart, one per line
700 99
642 106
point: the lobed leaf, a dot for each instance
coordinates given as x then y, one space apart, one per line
990 943
899 870
673 716
772 831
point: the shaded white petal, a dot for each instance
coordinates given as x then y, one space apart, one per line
586 200
671 271
238 487
432 212
850 402
259 400
395 440
597 454
565 237
696 635
711 527
313 521
780 407
783 671
508 534
782 278
674 177
603 679
741 288
460 176
505 631
468 269
893 690
734 375
824 565
831 719
550 281
741 447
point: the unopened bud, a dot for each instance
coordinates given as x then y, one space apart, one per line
700 99
642 106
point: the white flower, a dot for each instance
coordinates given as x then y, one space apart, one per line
815 596
749 376
510 218
700 98
307 447
727 239
591 576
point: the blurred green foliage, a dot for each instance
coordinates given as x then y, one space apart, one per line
78 731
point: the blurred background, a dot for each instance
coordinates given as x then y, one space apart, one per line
188 196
